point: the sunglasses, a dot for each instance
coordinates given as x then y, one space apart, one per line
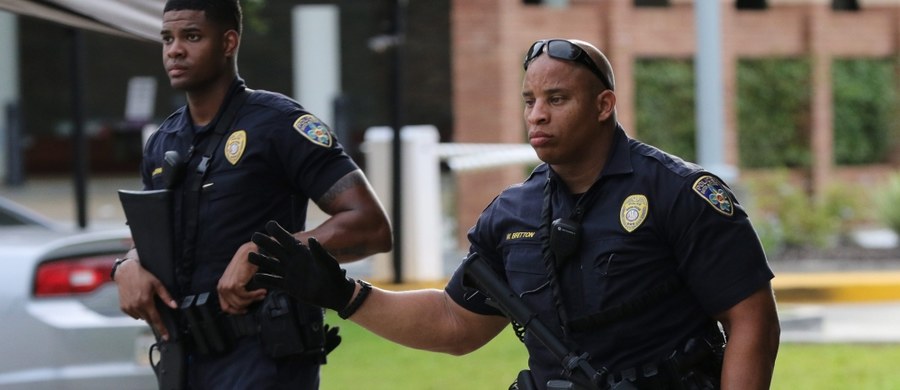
564 50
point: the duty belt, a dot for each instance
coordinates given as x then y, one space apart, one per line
212 330
284 328
695 365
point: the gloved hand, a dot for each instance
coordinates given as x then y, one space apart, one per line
310 274
332 338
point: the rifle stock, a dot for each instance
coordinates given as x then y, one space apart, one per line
149 216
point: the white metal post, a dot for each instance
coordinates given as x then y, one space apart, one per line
422 251
317 58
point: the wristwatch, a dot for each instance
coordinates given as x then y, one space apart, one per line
119 261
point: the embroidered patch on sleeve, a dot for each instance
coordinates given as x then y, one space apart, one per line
314 130
714 192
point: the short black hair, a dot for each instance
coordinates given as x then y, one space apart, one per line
226 13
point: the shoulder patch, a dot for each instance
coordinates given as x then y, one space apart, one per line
633 212
235 145
314 130
714 192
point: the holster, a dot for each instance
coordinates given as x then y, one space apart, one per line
171 368
289 329
285 328
523 381
205 324
697 365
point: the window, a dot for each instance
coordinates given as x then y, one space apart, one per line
845 5
651 3
751 4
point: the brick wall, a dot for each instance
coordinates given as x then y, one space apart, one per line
489 37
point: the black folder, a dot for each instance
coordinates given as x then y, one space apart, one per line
149 216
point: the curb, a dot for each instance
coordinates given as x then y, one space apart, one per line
836 287
806 287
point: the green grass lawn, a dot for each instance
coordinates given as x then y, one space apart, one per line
365 361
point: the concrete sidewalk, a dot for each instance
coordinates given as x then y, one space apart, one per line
859 306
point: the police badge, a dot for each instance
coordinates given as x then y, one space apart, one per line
234 146
633 212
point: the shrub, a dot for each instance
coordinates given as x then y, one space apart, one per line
664 102
786 216
848 205
887 203
773 108
773 103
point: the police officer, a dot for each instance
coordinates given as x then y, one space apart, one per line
629 254
270 159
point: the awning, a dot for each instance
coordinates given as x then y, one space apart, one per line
137 19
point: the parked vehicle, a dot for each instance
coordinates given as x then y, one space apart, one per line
62 327
13 214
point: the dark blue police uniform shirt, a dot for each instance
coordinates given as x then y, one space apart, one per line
656 216
273 151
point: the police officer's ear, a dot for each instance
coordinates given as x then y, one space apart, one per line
231 40
606 104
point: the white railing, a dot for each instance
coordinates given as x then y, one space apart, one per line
421 221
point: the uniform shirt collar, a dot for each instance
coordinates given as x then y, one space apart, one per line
619 161
236 86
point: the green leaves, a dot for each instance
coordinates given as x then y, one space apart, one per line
864 118
774 109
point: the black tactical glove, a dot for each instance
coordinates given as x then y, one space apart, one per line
310 274
332 338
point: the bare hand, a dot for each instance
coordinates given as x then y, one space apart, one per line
233 295
137 289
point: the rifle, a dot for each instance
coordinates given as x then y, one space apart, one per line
149 216
581 376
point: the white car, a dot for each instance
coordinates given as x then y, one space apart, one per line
61 323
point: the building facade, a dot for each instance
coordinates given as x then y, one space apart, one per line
490 37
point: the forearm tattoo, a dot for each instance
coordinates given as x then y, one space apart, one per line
347 182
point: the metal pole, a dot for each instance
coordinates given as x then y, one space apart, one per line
397 124
15 171
79 142
10 99
710 90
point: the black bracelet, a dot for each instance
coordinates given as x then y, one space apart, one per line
354 305
112 272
